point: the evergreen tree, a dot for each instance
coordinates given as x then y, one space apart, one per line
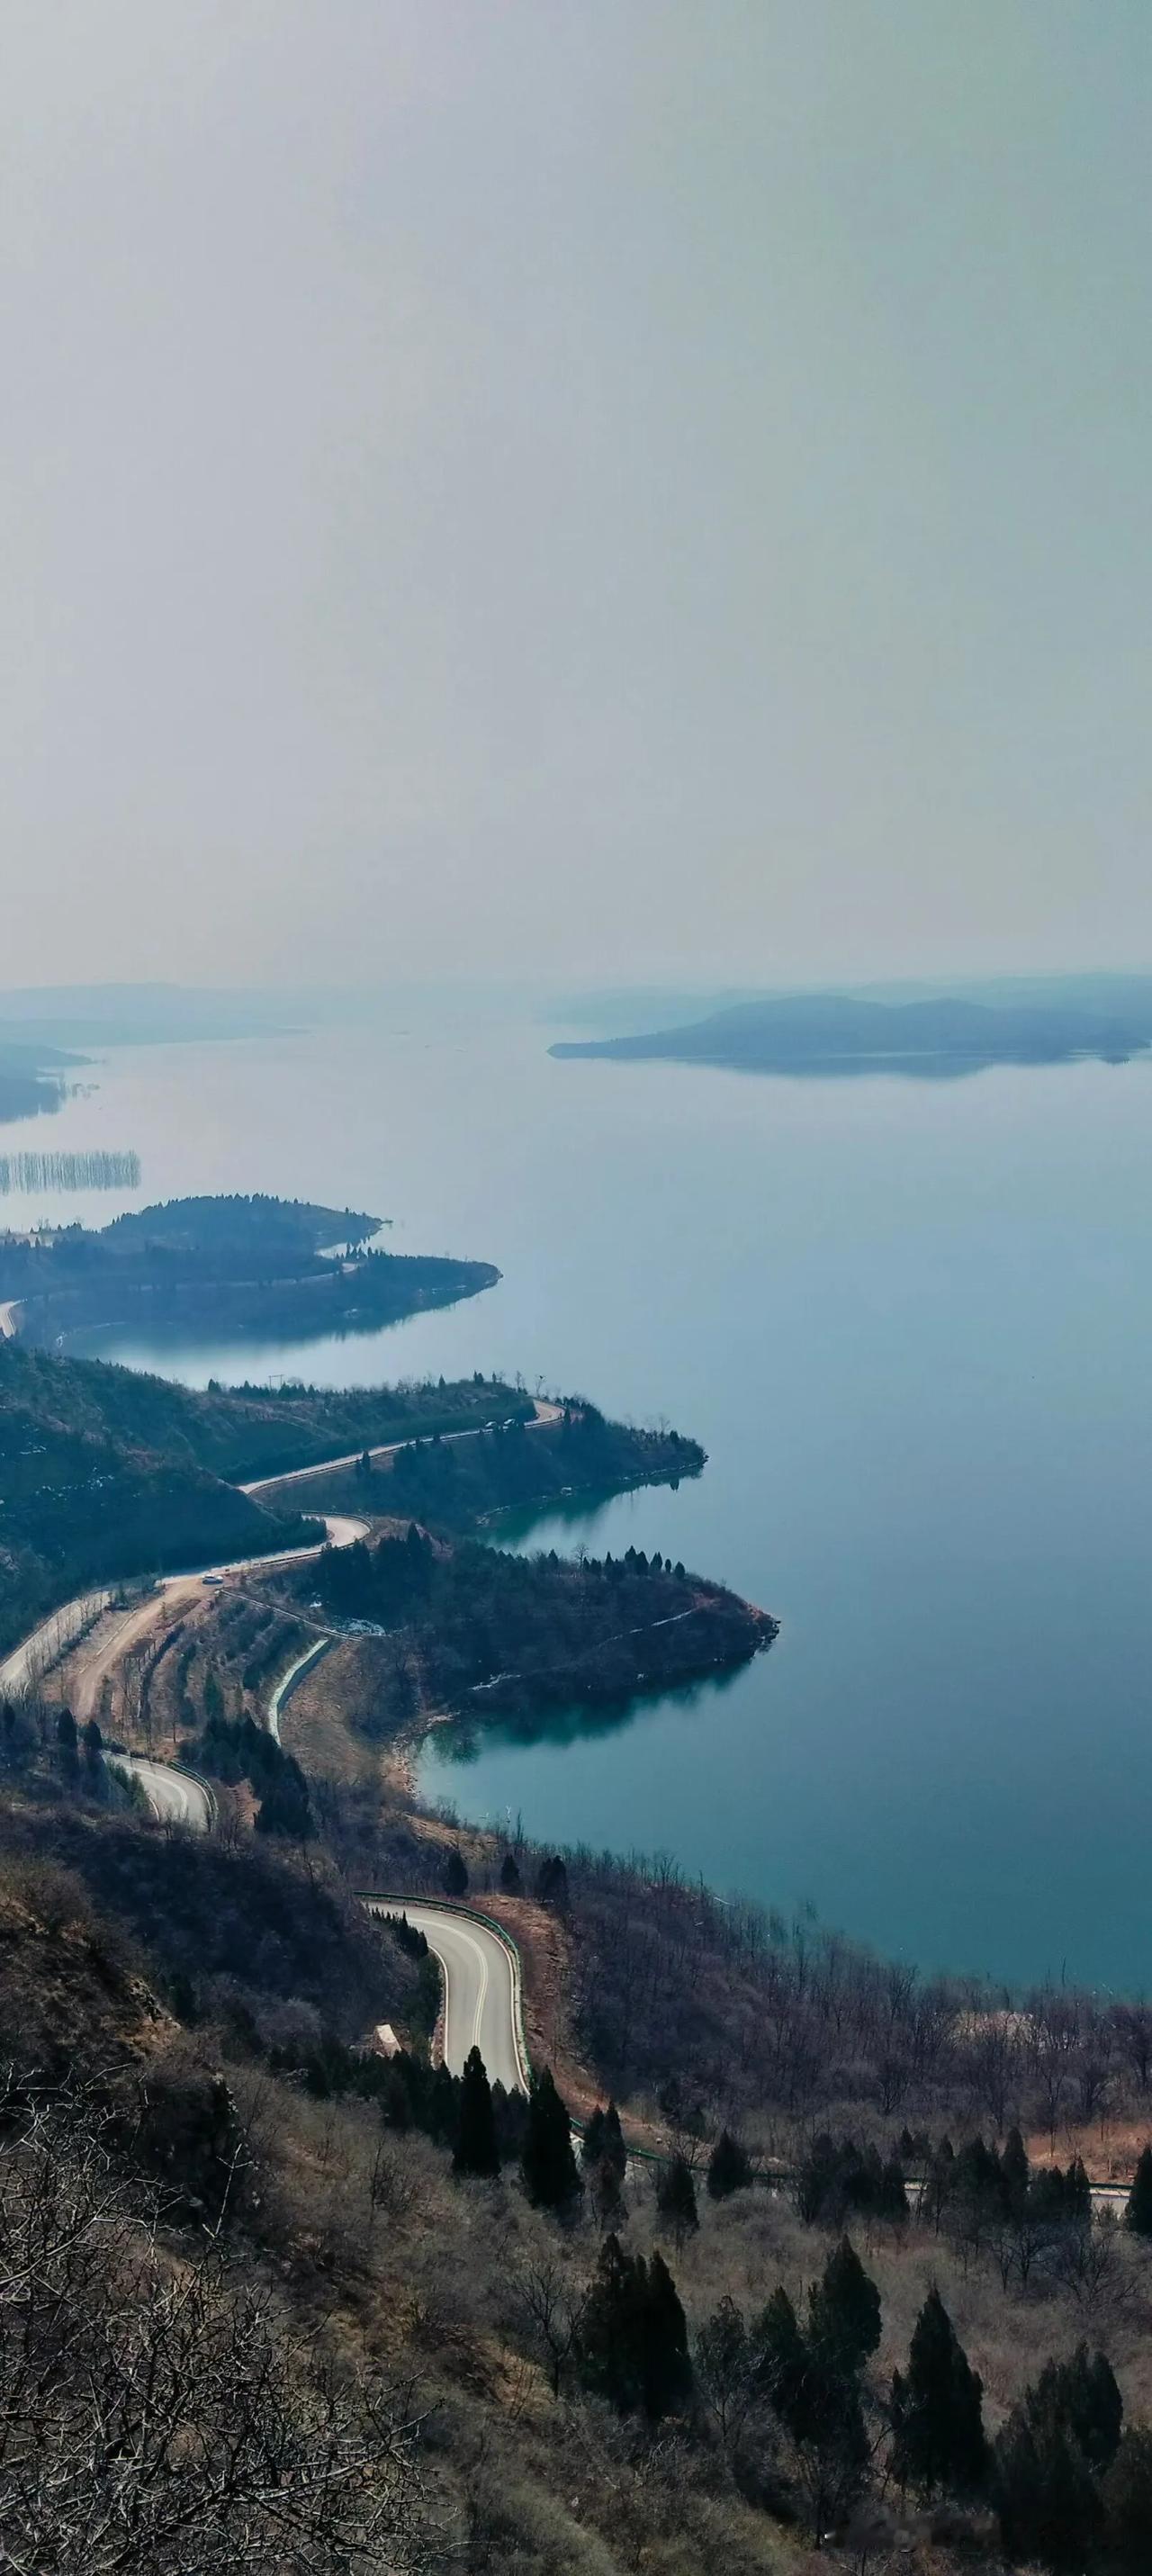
455 1873
510 1879
284 1807
592 2147
667 2370
93 1739
1082 2395
1127 2499
1138 2213
609 2336
783 2368
633 2340
818 2403
1046 2496
547 2163
607 2197
476 2149
940 2182
844 2311
729 2167
676 2198
552 1884
440 2114
613 2148
1015 2172
936 2410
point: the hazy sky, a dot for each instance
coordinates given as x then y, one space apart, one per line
619 485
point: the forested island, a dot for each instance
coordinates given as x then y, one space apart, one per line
234 1264
814 1033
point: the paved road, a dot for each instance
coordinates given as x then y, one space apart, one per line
174 1796
95 1659
481 1988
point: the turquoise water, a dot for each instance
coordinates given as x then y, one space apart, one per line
909 1322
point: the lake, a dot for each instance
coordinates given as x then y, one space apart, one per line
909 1321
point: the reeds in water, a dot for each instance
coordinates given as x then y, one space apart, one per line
68 1172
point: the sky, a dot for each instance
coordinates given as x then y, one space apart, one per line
619 488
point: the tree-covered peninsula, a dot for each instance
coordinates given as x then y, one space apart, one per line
236 1264
471 1629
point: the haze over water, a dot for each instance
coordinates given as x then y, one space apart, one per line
908 1321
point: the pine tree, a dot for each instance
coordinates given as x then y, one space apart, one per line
547 2163
1015 2172
440 2118
667 2370
613 2147
936 2410
455 1873
476 2149
284 1806
818 2403
729 2168
510 1879
1138 2214
844 2311
592 2147
633 2340
1127 2498
676 2198
1046 2496
552 1884
1082 2395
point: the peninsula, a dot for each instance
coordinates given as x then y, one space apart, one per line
230 1264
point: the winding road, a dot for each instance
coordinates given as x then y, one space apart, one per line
21 1669
175 1797
544 1412
481 1974
481 1971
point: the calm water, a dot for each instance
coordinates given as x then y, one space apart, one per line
909 1322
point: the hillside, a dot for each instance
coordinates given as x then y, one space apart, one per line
99 1480
106 1473
466 2339
835 1033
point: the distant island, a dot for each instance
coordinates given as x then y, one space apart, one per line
235 1264
832 1033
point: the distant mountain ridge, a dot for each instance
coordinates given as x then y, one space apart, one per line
835 1032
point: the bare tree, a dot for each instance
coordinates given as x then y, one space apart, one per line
162 2417
545 2301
